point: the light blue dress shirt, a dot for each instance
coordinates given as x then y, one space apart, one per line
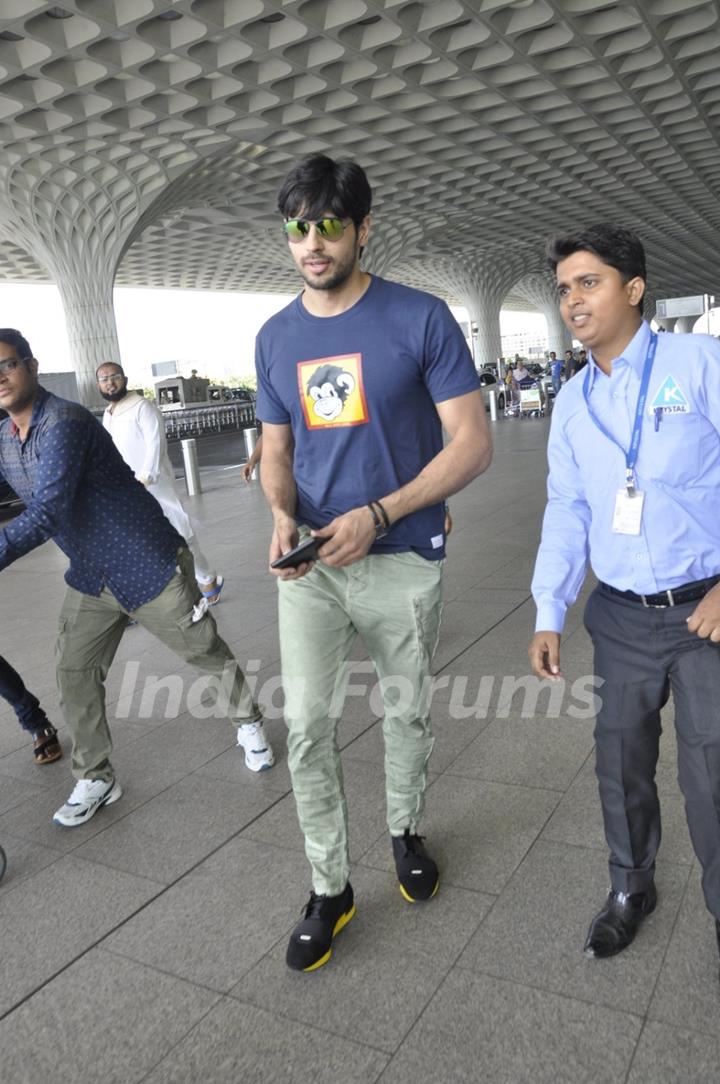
678 469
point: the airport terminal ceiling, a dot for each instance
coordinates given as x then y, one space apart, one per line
145 141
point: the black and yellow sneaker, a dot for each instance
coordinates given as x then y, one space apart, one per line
311 941
417 872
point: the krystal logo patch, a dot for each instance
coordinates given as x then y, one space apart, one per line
669 398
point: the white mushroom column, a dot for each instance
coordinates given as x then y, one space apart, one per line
90 322
484 312
539 289
76 207
481 292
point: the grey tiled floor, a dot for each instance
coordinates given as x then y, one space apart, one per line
148 945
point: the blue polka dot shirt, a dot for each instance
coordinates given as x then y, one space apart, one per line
79 491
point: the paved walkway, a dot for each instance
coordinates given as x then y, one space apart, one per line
148 945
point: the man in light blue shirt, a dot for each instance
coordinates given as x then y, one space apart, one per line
634 491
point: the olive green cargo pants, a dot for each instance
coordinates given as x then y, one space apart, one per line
90 632
393 601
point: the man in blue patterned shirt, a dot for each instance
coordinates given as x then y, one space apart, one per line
125 558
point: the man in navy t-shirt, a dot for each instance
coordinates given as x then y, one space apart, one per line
356 379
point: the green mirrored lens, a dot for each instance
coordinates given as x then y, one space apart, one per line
296 229
331 228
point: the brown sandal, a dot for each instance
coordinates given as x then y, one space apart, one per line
47 747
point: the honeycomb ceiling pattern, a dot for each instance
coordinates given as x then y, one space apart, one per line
144 140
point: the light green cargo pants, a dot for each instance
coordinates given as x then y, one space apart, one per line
90 632
394 603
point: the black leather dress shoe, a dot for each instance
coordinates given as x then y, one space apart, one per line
615 926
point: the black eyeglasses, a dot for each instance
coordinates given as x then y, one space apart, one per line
330 228
10 365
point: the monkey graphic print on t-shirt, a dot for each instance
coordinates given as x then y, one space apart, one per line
332 392
360 392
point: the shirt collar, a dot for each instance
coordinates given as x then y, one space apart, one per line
38 410
126 403
633 355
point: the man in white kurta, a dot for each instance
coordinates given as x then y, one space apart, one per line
138 431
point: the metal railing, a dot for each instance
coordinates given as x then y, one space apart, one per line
198 421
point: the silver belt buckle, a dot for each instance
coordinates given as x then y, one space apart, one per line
658 605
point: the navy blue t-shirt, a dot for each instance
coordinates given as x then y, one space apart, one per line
359 391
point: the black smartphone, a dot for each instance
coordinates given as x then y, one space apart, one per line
306 551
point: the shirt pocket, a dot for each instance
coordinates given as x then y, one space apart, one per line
679 450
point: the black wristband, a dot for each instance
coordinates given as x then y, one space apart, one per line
380 530
383 513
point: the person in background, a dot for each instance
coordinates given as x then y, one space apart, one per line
253 461
138 431
570 368
556 370
519 373
32 718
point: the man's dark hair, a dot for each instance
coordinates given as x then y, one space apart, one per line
104 363
317 184
11 337
614 245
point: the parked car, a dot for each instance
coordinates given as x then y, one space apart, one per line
546 384
489 382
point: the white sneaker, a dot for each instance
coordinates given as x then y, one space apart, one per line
87 797
258 752
213 594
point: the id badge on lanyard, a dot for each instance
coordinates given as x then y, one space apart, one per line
629 501
627 518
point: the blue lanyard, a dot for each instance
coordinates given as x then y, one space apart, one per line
632 453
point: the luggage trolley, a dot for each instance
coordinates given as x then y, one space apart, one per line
531 399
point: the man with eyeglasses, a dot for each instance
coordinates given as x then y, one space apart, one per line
356 379
138 432
634 490
126 559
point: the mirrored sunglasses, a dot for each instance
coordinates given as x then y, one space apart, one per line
330 229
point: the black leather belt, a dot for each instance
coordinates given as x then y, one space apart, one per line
689 592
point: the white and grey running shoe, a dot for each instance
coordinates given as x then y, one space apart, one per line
258 751
87 797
